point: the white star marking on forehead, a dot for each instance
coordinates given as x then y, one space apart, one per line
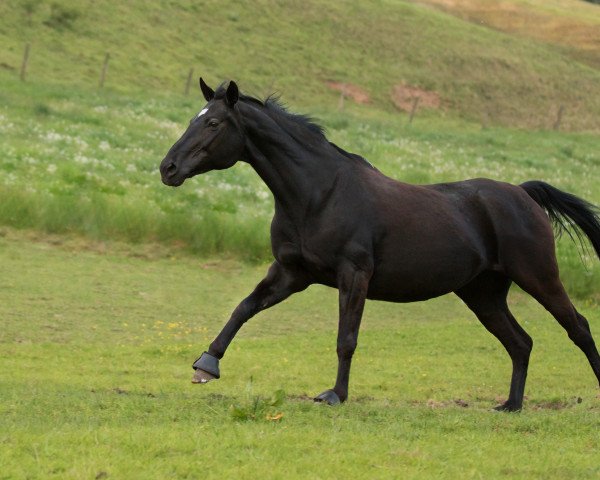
202 112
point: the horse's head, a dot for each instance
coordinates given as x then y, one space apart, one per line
214 139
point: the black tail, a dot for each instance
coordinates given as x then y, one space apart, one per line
566 210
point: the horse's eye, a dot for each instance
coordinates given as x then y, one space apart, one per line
213 123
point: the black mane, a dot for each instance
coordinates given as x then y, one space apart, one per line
279 112
273 106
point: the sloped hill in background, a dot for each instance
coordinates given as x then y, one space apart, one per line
302 48
574 24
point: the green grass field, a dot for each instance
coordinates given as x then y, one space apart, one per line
87 163
96 349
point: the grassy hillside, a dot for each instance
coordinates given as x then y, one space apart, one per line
76 162
481 74
574 24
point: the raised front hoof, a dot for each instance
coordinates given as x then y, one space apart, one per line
329 397
200 376
206 368
508 407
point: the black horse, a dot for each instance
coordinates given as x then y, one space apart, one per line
342 223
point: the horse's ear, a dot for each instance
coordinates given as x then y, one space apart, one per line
232 94
208 92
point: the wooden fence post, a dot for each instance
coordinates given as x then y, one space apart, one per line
559 115
104 69
25 62
189 82
413 109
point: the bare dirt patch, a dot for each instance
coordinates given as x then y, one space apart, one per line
458 402
556 404
403 97
356 93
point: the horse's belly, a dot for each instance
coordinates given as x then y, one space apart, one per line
404 292
412 278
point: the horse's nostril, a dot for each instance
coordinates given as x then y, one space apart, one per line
171 169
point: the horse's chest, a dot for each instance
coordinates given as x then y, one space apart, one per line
309 252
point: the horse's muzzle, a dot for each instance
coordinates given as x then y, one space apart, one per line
168 173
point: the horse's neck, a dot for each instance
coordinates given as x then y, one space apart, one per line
296 174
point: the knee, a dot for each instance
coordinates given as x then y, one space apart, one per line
581 337
583 322
346 347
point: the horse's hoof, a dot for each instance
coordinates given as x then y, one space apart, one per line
206 368
329 397
200 376
508 407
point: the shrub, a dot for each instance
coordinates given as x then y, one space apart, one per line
62 17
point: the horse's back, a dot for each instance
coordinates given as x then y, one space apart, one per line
437 238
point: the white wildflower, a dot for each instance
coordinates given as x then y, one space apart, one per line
262 194
53 136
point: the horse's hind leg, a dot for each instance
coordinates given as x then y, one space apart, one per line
486 297
531 263
591 352
549 291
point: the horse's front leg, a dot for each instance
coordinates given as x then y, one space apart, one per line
353 284
278 285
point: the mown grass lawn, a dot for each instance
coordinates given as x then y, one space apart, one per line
96 344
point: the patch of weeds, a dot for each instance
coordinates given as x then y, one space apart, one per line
256 408
567 151
338 123
42 110
62 17
29 7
